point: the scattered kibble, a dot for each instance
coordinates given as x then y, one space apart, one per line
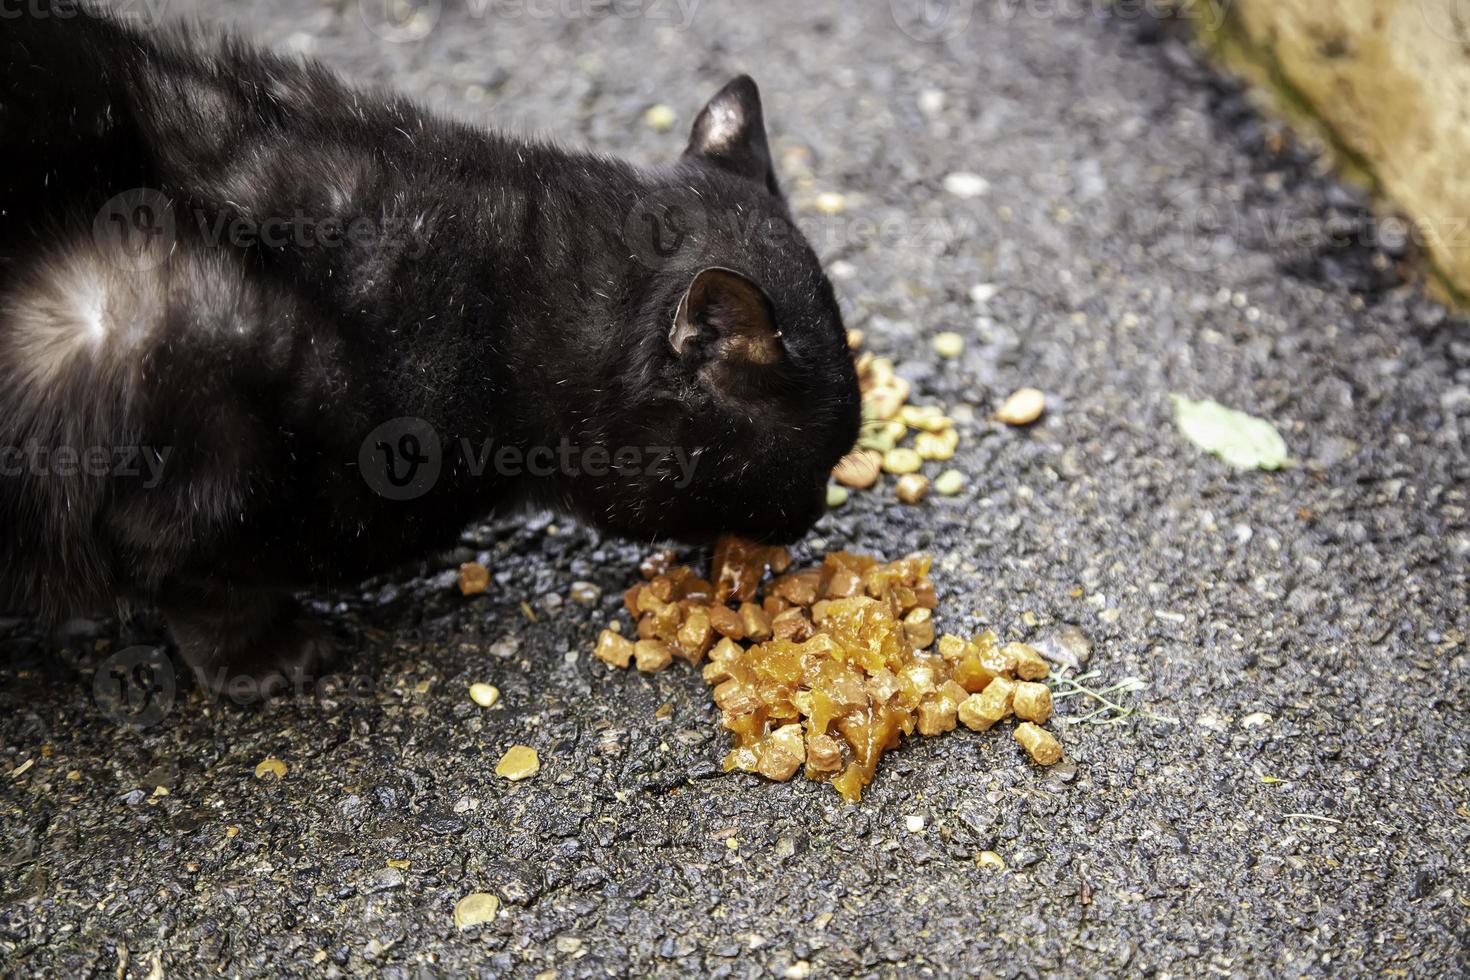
889 420
475 909
912 488
901 461
474 578
652 656
859 470
1030 665
1022 408
614 649
949 483
485 695
660 118
992 860
937 445
828 669
271 767
855 339
948 344
1040 744
520 762
585 593
1032 702
836 496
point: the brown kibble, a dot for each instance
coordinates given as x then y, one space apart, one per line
1022 408
1032 702
823 753
652 655
519 762
885 401
951 647
757 624
858 470
912 488
726 622
1029 665
695 635
918 628
826 667
613 649
1040 744
854 339
792 625
980 711
844 583
782 753
725 653
799 588
649 602
938 446
937 716
474 578
735 698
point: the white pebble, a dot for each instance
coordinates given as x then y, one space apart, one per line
966 185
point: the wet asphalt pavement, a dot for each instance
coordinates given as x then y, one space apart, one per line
1305 811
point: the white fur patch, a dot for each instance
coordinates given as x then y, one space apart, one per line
81 307
725 125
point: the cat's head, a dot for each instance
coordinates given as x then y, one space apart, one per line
741 354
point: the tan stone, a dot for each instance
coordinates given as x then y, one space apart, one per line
1389 81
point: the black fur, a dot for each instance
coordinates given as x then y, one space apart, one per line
506 294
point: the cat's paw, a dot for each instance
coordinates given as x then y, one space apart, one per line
285 663
253 654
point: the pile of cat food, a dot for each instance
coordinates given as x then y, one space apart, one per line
826 668
888 422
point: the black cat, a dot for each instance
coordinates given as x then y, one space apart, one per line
260 331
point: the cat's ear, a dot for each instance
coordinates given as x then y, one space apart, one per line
731 133
731 312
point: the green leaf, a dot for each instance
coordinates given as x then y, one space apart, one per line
1241 440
